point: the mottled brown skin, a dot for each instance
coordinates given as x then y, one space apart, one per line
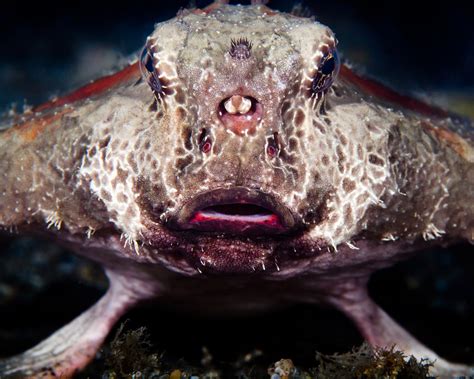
359 178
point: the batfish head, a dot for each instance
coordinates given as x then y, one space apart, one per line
244 148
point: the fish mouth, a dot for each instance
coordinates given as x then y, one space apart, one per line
235 211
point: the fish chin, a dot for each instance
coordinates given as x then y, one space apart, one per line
213 252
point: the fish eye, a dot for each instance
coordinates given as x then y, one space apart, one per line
327 70
149 71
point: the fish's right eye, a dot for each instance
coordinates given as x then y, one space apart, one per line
149 71
327 70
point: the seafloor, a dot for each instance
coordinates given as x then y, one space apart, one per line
42 287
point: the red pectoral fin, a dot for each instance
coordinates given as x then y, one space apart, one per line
384 93
31 124
97 87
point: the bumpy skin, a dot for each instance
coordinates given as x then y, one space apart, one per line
361 178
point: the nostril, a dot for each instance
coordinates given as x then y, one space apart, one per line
206 146
204 141
273 145
240 114
272 151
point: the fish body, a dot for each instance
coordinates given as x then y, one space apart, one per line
237 165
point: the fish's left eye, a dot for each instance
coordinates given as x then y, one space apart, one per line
328 68
149 71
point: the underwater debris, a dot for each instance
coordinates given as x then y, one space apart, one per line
284 369
367 363
130 356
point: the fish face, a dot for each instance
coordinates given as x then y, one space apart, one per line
242 148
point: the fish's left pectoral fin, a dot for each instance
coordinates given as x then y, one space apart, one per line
72 347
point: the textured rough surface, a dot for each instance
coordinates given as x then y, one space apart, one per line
234 147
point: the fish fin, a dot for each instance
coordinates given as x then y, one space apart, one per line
381 331
73 346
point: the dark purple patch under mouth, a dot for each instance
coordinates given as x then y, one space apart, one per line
236 217
237 211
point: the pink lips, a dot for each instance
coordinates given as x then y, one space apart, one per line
236 218
237 211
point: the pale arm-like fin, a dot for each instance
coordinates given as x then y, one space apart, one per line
73 346
380 330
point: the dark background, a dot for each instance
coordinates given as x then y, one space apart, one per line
426 48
